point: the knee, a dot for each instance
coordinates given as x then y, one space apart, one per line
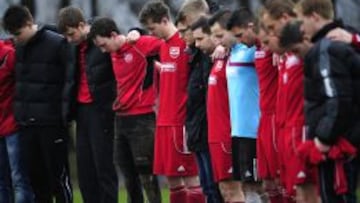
191 181
269 185
230 189
306 193
175 182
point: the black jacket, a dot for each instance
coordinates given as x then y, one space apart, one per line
196 119
100 77
335 24
41 65
332 90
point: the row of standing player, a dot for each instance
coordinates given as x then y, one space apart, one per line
221 171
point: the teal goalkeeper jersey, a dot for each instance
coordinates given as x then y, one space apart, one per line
243 91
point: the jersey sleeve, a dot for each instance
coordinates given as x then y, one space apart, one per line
150 45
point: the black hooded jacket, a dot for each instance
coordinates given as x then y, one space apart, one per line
41 66
332 89
196 119
100 78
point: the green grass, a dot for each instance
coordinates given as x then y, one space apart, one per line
122 196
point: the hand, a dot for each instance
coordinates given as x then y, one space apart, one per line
156 106
133 36
219 53
157 65
321 146
341 35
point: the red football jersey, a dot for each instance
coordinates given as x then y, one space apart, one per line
218 104
290 104
173 80
356 40
7 89
268 80
130 66
84 95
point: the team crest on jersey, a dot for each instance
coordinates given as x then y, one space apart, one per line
285 78
128 57
260 54
212 80
292 61
174 52
219 65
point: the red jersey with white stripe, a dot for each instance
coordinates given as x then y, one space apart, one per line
268 80
218 104
130 66
290 103
173 80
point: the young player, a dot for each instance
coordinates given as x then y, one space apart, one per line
243 90
331 95
266 148
94 86
217 108
296 178
14 182
172 157
135 117
41 95
196 117
220 141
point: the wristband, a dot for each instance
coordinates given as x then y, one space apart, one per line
356 40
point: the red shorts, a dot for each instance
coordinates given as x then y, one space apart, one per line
171 156
296 172
266 148
221 160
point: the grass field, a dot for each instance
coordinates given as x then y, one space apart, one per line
122 192
122 196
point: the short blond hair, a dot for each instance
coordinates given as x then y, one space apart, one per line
192 10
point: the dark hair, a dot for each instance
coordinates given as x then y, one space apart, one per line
222 17
277 8
69 17
155 11
291 34
241 18
202 23
16 17
103 27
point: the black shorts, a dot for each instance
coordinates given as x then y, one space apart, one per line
134 142
244 159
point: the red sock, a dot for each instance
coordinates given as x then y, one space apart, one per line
195 195
288 200
276 199
178 195
275 196
234 202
